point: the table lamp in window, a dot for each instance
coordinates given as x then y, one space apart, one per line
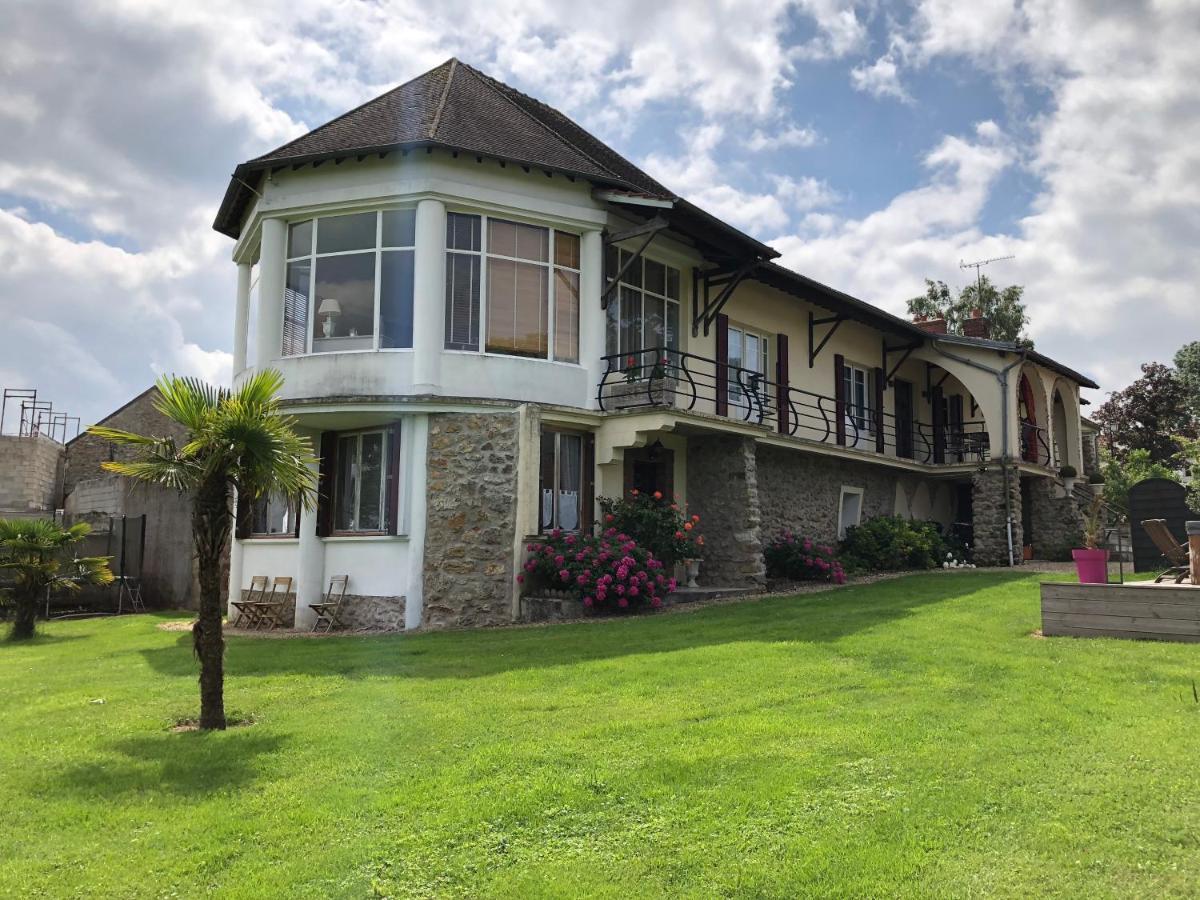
330 309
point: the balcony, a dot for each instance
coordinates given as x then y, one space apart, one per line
658 377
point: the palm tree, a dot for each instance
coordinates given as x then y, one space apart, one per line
236 440
35 551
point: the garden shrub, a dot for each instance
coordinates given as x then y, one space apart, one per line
656 524
606 572
890 543
800 559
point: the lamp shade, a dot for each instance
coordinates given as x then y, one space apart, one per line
329 307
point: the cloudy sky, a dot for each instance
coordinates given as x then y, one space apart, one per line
873 143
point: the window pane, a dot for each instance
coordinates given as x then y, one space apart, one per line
338 233
522 241
345 292
253 313
656 277
634 275
272 515
612 326
300 238
370 505
546 482
570 481
396 298
462 231
566 249
672 283
654 322
518 294
295 308
673 326
566 315
344 486
399 227
631 320
462 301
736 339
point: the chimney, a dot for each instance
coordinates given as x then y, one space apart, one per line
977 326
933 326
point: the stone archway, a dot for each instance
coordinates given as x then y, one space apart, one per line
1065 427
1033 418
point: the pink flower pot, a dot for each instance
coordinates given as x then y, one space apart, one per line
1092 566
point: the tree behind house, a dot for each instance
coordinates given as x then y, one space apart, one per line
1004 309
235 440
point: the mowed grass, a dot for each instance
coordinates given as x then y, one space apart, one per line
907 738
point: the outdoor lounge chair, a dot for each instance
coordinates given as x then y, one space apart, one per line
329 611
247 610
1176 554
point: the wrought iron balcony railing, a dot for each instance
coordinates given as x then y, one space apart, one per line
661 377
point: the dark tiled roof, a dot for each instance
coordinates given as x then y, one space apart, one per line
457 107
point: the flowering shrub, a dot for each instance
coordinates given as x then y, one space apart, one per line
656 524
800 559
606 572
889 543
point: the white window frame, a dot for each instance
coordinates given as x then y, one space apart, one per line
551 267
848 491
556 477
312 256
864 418
732 388
643 291
383 487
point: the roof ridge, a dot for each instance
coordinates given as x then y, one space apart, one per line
451 62
437 113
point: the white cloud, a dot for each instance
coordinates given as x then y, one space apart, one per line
791 136
880 79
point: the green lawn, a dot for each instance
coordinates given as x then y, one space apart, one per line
905 738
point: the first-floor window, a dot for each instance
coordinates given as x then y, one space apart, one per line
747 359
856 387
273 515
643 312
360 486
563 481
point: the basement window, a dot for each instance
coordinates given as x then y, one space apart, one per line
849 509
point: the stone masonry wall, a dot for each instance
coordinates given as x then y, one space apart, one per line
800 492
990 521
1055 521
471 517
723 490
30 473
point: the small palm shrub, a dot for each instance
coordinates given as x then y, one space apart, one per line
890 543
607 572
801 559
657 524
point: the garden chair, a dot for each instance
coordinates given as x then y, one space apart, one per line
329 610
270 607
247 610
1176 554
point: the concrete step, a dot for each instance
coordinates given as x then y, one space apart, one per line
692 595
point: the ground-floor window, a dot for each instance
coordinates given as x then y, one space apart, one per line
565 482
849 509
273 516
359 481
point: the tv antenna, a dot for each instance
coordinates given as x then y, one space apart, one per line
978 267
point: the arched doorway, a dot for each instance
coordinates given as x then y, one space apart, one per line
1027 414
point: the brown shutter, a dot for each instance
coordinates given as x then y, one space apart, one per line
781 381
877 413
839 397
588 488
325 483
243 514
393 479
939 426
722 365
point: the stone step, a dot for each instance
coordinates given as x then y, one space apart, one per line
692 595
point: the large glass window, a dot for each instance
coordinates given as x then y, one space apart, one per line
360 485
856 385
643 313
524 277
351 276
274 516
562 483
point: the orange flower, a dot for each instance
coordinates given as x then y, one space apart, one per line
687 526
658 495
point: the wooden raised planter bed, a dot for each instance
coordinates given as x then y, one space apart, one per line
1137 611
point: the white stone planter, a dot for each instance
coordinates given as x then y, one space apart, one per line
691 571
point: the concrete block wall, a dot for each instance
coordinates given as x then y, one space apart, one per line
31 471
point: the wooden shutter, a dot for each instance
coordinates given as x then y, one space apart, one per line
722 365
877 413
939 426
393 479
243 514
781 381
325 483
839 397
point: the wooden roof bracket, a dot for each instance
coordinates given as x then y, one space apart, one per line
703 282
649 229
904 349
929 385
815 347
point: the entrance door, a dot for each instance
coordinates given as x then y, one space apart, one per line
903 392
650 469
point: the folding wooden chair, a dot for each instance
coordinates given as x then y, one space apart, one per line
270 608
328 611
246 609
1176 554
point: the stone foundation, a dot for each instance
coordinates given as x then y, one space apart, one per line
288 614
722 475
472 485
1055 521
990 517
359 612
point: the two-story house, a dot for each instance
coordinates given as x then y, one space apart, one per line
487 318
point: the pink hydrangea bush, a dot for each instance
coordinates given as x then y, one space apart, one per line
607 572
797 558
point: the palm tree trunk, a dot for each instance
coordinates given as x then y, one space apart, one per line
25 617
210 528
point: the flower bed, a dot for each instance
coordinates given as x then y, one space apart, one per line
607 572
797 558
657 524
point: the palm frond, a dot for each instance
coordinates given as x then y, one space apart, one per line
188 401
179 474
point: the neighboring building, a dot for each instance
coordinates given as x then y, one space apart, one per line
31 472
164 554
486 318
